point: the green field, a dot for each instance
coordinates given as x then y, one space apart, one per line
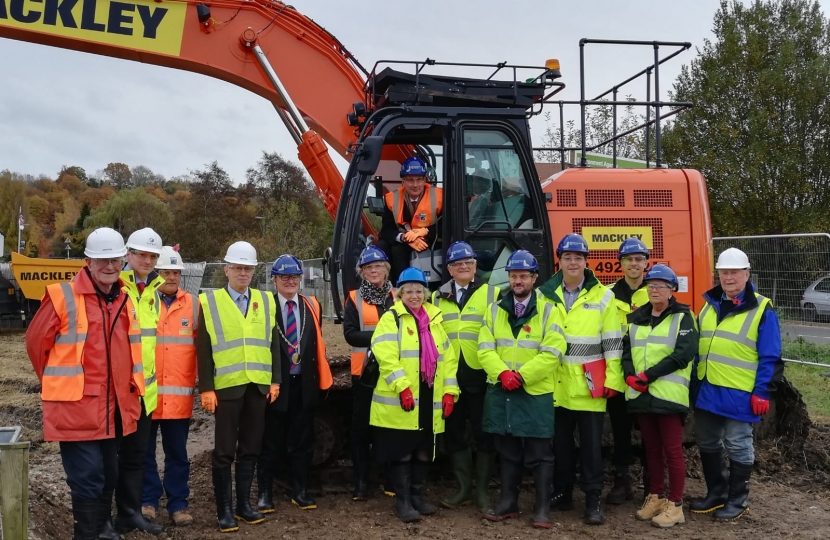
808 379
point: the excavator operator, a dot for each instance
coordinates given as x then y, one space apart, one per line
410 216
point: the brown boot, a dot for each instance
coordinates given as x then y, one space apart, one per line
181 518
651 507
671 515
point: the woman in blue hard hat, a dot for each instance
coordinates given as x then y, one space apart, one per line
658 350
415 392
361 313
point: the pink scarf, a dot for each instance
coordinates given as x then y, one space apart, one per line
429 352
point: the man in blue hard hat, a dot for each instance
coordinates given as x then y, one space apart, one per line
463 301
411 216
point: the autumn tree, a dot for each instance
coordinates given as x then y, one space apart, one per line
118 175
130 210
758 131
143 176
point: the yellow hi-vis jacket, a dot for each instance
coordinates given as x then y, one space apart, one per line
147 308
593 332
396 346
729 350
639 298
651 345
463 325
241 345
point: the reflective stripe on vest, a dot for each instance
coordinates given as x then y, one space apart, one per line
368 322
147 307
63 375
651 345
395 203
241 345
728 350
176 358
462 325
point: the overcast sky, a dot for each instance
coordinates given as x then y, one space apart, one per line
61 107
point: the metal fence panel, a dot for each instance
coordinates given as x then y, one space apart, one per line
793 270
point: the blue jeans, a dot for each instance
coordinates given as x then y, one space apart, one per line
713 432
176 465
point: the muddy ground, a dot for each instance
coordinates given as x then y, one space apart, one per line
790 492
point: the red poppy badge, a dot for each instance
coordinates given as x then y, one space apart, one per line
410 330
527 328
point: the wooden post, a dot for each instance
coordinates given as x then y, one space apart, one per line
14 490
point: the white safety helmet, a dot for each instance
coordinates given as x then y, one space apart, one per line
145 239
241 253
105 243
732 259
170 259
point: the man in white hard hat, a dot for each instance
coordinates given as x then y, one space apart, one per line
239 373
83 344
176 373
739 363
140 283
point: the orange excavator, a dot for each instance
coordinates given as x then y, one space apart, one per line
473 132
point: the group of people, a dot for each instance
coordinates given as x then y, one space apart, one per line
121 349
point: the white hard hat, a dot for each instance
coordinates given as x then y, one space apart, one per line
145 239
241 253
105 243
170 259
732 259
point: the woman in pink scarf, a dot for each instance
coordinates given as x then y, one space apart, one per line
416 391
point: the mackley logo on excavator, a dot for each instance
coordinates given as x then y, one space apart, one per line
140 24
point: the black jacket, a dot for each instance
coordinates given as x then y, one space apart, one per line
684 352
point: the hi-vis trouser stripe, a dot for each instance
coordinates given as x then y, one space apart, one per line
72 336
223 345
363 326
433 203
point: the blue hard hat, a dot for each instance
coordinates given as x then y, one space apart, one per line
413 167
633 245
522 260
460 250
412 275
573 243
663 273
287 265
371 254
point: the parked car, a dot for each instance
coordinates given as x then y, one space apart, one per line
815 302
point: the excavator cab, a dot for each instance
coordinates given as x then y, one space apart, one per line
474 136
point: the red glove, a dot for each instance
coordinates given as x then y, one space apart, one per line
510 380
759 405
407 400
636 382
449 403
608 393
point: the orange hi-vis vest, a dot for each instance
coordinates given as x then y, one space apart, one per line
176 357
368 315
323 368
63 376
426 214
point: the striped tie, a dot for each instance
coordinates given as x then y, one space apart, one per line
520 310
291 334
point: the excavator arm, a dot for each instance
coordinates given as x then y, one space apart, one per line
233 40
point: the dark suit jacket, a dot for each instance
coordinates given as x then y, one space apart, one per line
309 378
389 227
204 358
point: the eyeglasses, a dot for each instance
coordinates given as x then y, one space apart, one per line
103 263
657 286
145 255
634 259
568 259
463 264
374 266
288 279
242 269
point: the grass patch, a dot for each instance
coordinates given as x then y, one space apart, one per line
808 379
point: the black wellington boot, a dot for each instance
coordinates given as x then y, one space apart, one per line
399 476
420 469
508 505
84 519
543 478
299 485
736 504
244 479
717 483
223 492
128 504
265 488
360 467
106 531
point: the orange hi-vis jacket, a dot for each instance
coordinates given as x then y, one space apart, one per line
368 316
425 215
176 357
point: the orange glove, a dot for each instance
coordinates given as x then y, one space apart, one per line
209 401
274 393
414 234
418 245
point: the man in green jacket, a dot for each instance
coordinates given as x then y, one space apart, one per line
520 346
589 374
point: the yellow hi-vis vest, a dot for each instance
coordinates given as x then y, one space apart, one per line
241 345
639 298
651 345
729 350
535 353
462 326
147 307
396 346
